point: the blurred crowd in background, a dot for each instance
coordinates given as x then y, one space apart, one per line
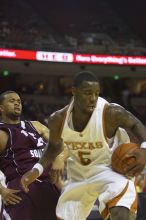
43 95
85 27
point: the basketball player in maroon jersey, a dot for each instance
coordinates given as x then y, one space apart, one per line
21 146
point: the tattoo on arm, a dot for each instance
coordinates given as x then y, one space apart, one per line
117 116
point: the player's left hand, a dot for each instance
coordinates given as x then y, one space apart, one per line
28 178
10 196
138 164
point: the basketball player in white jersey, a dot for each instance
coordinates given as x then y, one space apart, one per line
91 128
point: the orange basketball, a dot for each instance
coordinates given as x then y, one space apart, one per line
119 162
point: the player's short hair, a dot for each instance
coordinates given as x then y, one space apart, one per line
84 76
2 95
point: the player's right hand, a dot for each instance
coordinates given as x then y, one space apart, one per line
138 164
9 196
28 178
140 155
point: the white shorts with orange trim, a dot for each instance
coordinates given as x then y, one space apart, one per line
110 188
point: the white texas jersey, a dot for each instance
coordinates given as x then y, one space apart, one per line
90 147
89 174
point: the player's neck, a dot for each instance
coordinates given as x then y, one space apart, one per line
10 121
80 119
79 114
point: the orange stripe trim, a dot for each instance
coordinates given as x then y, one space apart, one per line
63 121
134 206
113 202
103 122
105 213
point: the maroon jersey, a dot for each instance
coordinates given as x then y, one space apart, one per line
24 148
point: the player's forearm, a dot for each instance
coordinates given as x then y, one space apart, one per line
64 154
51 152
140 131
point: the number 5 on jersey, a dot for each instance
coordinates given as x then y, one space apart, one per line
84 159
